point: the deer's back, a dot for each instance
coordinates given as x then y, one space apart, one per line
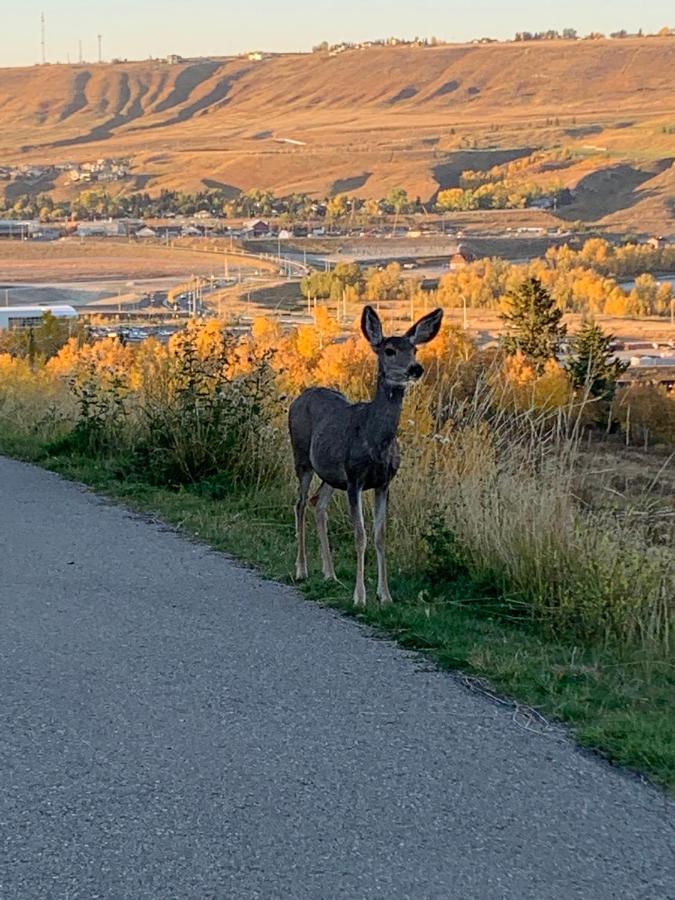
330 435
317 421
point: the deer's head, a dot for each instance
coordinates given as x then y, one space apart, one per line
397 355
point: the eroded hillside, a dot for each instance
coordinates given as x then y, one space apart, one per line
363 121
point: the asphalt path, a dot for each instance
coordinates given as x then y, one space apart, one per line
173 726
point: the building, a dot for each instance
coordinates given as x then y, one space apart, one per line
16 228
256 228
99 229
109 228
12 317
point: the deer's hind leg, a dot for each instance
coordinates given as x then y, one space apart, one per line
355 495
321 501
304 480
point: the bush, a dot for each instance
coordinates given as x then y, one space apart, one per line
647 414
208 421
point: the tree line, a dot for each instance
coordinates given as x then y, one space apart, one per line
579 281
97 202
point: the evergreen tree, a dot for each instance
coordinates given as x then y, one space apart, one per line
593 364
533 323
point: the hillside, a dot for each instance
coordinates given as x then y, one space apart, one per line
365 120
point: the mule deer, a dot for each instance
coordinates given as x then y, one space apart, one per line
352 447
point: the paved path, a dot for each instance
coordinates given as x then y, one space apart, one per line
171 726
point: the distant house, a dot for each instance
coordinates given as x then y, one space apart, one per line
657 243
173 59
256 228
146 232
254 56
461 258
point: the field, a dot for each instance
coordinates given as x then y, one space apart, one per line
365 121
70 260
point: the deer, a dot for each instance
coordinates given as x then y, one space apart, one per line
352 447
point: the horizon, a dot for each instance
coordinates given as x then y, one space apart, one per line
132 33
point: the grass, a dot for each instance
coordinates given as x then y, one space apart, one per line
617 702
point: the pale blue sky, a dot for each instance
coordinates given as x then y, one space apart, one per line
137 29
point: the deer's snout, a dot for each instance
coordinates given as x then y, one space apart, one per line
415 371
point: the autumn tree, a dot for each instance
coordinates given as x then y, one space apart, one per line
41 341
593 365
532 322
397 199
337 207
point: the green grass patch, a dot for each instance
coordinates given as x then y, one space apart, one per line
617 702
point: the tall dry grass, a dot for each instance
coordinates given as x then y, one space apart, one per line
496 494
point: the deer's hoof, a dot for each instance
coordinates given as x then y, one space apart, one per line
360 598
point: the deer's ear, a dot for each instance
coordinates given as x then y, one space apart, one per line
371 327
426 328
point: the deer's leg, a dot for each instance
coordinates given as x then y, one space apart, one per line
304 480
321 509
355 495
379 531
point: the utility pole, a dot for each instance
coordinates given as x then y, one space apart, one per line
42 38
79 48
100 56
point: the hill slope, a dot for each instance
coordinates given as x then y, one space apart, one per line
365 120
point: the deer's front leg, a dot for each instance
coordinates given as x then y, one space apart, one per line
379 528
354 494
304 480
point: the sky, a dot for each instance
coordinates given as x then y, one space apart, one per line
137 29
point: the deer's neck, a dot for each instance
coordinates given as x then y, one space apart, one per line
386 408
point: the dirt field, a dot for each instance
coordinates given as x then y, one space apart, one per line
70 260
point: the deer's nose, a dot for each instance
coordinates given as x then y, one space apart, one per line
415 371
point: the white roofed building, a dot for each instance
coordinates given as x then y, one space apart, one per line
12 317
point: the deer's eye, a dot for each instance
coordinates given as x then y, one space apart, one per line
390 351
